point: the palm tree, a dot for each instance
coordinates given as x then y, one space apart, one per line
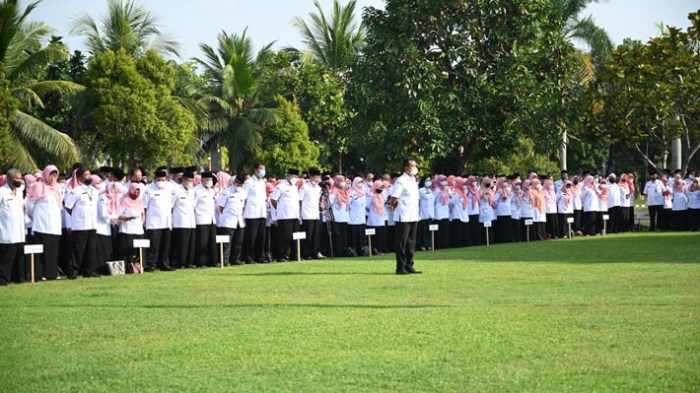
129 26
236 114
22 62
334 42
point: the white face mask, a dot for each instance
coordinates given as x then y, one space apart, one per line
414 171
160 184
342 184
208 184
464 188
539 187
443 183
475 184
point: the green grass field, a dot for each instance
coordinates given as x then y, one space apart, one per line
613 314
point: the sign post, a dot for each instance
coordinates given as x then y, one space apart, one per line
570 220
606 217
33 249
487 225
141 244
528 223
369 232
433 228
639 221
298 236
222 239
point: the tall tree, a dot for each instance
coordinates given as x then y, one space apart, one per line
333 42
23 62
128 25
236 96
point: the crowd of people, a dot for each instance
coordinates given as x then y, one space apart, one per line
85 219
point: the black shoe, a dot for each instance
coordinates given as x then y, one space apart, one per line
238 263
413 271
167 268
149 269
72 276
280 260
402 272
92 275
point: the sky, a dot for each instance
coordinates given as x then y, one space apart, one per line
192 22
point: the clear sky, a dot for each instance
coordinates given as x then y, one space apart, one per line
194 21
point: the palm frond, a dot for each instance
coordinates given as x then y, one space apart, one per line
595 37
31 131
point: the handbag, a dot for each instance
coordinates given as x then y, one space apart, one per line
135 266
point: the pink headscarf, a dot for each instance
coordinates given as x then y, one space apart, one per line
113 193
96 180
518 194
3 180
533 176
444 191
29 181
74 181
631 183
41 188
460 190
566 192
473 191
537 196
678 184
452 182
378 198
487 192
549 189
341 193
357 189
130 201
222 180
502 187
588 182
603 193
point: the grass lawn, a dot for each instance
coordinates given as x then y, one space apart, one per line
613 314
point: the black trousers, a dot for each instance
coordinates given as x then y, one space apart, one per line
526 230
631 216
158 253
455 233
104 253
254 240
614 219
233 250
11 260
405 245
623 224
552 225
665 219
517 228
205 245
340 238
564 225
310 247
390 237
590 223
654 212
182 248
357 237
578 220
84 253
379 239
442 237
125 247
65 253
680 220
283 240
694 219
476 231
504 229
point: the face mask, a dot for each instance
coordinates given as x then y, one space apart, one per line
293 180
62 186
575 181
208 184
464 188
342 184
16 184
160 184
517 187
87 182
261 174
414 171
539 187
443 183
691 177
475 184
187 185
428 184
379 191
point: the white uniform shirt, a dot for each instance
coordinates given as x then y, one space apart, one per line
503 207
255 206
340 214
375 219
654 192
83 200
680 201
426 203
183 208
159 207
456 210
562 207
406 190
515 211
694 199
357 210
485 211
526 210
550 203
310 198
133 226
442 212
204 205
104 219
287 197
45 215
590 198
12 228
233 201
614 195
473 205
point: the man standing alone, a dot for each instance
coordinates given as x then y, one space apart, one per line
405 198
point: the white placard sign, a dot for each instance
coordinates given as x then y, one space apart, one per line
222 239
570 220
142 243
606 217
433 227
34 249
487 224
370 232
528 222
299 235
640 216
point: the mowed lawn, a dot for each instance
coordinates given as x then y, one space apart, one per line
613 314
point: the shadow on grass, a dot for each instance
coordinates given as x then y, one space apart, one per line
651 248
274 305
338 273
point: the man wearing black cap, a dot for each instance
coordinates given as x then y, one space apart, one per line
176 174
182 250
559 183
285 200
405 201
255 213
104 173
653 192
231 223
158 202
205 232
310 197
81 204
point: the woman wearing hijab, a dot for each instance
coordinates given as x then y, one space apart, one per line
486 204
339 199
503 198
578 205
527 211
107 214
442 199
694 205
133 215
376 216
44 207
357 221
539 210
474 197
603 207
590 195
680 204
459 217
550 203
631 200
426 206
665 218
565 208
516 204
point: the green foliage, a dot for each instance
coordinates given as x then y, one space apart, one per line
523 159
286 144
598 314
136 118
8 105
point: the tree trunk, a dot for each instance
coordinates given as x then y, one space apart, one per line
676 153
563 151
